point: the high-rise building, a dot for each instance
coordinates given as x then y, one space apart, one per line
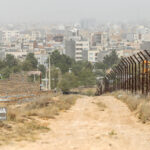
80 48
70 48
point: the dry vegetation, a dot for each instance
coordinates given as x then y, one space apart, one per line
85 91
18 84
101 106
137 103
25 121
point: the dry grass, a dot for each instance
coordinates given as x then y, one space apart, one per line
112 133
101 106
50 107
17 84
86 91
26 121
137 103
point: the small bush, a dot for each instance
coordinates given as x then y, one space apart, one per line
112 133
144 112
101 105
12 116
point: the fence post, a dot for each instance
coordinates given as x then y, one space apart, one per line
126 73
146 72
135 73
119 79
132 74
121 76
139 72
129 73
143 80
148 66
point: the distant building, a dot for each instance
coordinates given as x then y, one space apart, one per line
70 48
80 47
41 57
146 37
145 45
102 54
131 37
77 50
96 39
8 36
2 54
126 52
58 38
19 55
93 56
99 39
88 23
85 55
36 35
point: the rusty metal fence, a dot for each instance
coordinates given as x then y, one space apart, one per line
131 74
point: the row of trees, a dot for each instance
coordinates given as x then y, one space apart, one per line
81 73
12 65
108 62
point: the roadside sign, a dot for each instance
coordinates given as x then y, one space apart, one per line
3 113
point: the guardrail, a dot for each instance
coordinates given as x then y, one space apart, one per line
131 74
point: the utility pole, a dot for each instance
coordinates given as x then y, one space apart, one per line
46 79
49 73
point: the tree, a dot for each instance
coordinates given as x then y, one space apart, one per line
54 77
110 60
42 68
68 82
77 67
5 72
100 65
2 64
87 78
27 66
30 63
16 69
62 61
10 61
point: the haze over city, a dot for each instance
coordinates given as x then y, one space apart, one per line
73 10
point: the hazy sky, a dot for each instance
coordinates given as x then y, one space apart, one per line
73 10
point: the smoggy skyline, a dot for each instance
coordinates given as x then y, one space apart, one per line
73 10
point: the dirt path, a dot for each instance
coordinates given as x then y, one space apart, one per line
85 127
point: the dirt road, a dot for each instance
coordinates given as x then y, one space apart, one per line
86 127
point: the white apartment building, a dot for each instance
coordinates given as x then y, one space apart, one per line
131 37
8 36
36 35
81 46
18 55
41 57
126 52
146 37
93 56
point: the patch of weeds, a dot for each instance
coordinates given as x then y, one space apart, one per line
101 106
112 133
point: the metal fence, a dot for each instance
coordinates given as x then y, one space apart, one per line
131 74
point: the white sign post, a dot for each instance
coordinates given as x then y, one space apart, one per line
3 113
